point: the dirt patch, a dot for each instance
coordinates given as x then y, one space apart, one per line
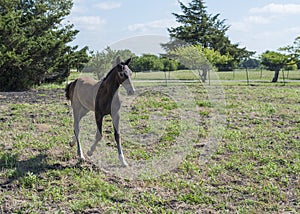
33 96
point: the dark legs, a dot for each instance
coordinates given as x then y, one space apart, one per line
116 119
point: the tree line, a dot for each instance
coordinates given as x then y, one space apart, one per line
199 28
101 62
35 46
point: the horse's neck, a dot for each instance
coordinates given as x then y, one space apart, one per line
107 93
110 84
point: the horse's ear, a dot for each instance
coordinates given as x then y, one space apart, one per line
118 60
127 61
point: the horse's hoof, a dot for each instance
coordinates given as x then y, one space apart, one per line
89 153
72 143
125 164
81 158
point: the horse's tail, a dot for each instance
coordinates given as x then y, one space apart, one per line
70 90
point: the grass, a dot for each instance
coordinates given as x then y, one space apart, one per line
254 168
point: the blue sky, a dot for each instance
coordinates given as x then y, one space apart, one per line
258 25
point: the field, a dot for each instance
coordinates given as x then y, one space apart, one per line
229 145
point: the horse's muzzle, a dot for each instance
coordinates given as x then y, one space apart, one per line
130 92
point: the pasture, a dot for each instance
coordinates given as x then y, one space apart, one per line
253 165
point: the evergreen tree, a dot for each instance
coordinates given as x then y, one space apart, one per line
34 43
200 28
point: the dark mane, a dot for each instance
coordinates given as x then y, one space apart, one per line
108 74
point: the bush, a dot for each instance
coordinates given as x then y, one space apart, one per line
149 62
291 67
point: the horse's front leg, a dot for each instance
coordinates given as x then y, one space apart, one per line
116 120
99 120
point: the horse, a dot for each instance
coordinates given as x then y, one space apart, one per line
87 94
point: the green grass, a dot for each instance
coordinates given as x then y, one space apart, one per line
258 75
254 168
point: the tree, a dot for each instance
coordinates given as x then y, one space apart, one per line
34 43
169 64
102 62
274 61
79 59
200 28
250 63
194 59
147 62
287 58
293 51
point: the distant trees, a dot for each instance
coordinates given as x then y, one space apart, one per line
34 44
101 62
150 62
200 28
284 58
250 63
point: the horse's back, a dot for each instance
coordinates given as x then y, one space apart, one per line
85 92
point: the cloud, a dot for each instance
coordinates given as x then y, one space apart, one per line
87 22
246 24
293 30
162 23
108 5
258 19
277 9
239 26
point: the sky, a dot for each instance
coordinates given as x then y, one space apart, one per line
258 25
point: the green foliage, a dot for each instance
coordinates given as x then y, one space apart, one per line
287 58
149 62
293 50
291 66
199 27
213 56
191 56
33 43
169 64
274 61
250 63
101 62
29 180
207 30
196 57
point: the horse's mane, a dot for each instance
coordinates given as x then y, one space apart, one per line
108 74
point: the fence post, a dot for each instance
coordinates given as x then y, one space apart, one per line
247 75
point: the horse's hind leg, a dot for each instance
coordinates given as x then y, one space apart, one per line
78 114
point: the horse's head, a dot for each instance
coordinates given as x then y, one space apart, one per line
124 76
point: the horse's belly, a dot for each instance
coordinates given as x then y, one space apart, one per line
88 104
86 93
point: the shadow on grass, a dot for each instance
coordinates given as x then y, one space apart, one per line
14 169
